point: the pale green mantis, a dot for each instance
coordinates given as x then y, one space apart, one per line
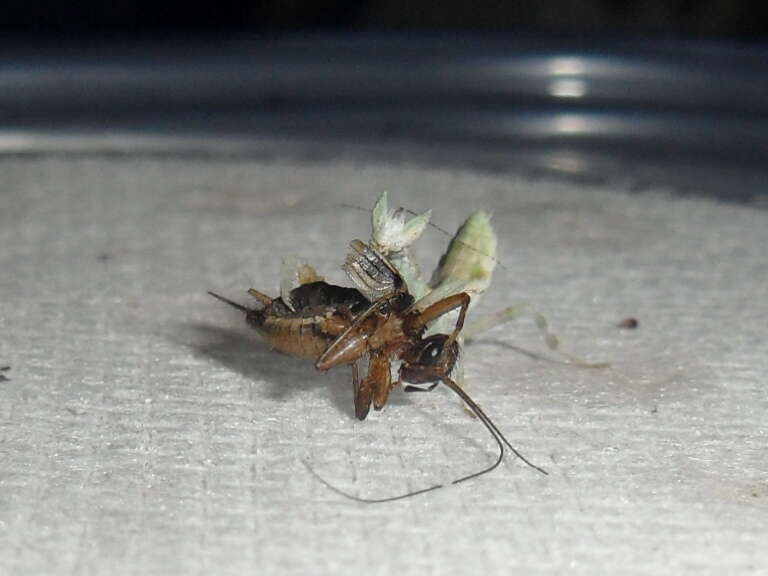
467 266
400 303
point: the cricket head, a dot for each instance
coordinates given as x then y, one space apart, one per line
430 360
391 232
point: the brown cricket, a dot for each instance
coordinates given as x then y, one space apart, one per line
339 325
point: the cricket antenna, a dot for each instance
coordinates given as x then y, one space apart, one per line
487 422
495 432
362 500
230 302
413 492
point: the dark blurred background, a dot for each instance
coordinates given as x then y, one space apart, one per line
734 19
658 93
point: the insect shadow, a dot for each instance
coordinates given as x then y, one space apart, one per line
281 376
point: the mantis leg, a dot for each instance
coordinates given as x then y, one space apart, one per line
485 323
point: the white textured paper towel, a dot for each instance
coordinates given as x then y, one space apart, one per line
143 430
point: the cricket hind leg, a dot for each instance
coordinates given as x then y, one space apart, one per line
485 323
363 393
374 388
380 377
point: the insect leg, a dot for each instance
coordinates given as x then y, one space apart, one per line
355 379
442 307
459 321
380 377
363 394
485 323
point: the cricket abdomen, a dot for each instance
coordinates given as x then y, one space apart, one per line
303 337
295 335
316 315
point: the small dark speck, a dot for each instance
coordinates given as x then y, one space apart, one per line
655 410
755 495
103 257
629 323
3 377
74 411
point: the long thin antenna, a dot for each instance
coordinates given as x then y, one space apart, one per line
487 422
341 492
230 302
422 490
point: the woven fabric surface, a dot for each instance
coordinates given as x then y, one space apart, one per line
145 430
